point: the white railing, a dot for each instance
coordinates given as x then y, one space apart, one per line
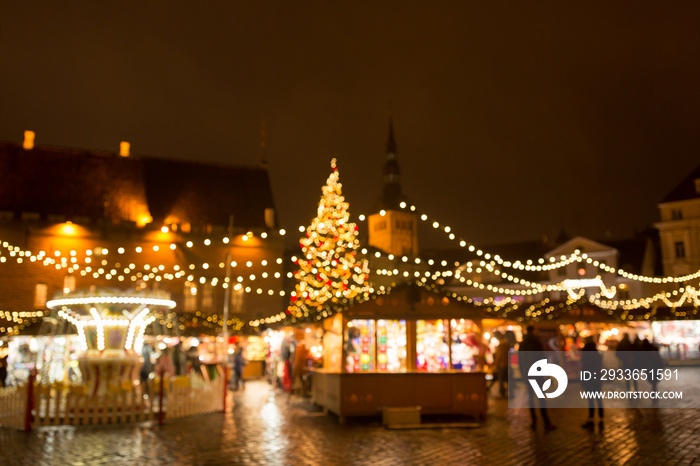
58 404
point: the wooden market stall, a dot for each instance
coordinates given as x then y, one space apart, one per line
409 348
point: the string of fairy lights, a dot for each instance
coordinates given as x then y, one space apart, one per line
15 321
96 267
100 262
535 288
542 264
158 273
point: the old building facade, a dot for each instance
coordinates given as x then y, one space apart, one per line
74 219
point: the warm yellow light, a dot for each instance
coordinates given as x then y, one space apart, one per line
124 149
28 143
68 228
165 229
143 220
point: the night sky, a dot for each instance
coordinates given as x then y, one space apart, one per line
511 121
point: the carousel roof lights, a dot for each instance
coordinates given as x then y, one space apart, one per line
56 303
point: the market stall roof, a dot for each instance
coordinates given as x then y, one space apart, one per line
586 313
193 324
410 301
21 322
661 313
555 311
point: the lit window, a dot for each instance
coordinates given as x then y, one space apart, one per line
190 298
465 356
208 296
391 345
68 283
359 346
270 217
431 345
237 299
41 291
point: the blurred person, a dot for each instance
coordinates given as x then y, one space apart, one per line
239 363
3 372
500 362
193 360
146 368
625 353
286 355
531 350
592 361
300 368
651 360
179 359
164 364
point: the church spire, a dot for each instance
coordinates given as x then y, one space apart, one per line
392 188
391 143
393 227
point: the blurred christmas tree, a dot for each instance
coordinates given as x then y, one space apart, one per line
328 268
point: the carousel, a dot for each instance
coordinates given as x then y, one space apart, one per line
111 325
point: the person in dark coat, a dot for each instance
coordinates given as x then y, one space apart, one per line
592 361
239 363
625 353
652 360
531 350
146 368
500 362
179 359
3 372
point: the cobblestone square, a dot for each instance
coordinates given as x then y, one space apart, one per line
266 426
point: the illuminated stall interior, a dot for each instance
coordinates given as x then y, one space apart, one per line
254 352
578 324
678 340
495 329
411 333
383 345
282 342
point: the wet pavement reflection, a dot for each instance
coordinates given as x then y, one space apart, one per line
266 426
